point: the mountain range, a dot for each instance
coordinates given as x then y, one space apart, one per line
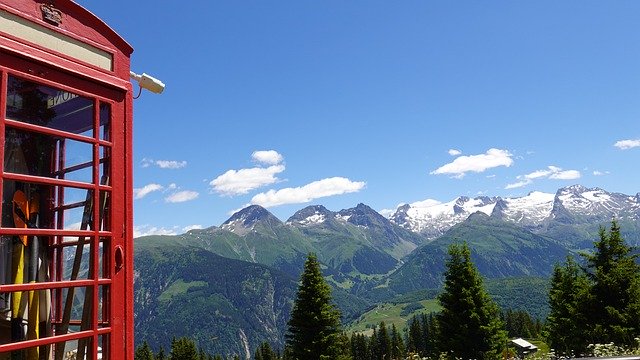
366 257
577 206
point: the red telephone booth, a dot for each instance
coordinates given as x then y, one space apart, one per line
66 264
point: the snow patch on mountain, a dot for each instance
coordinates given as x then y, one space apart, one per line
597 202
246 219
433 218
531 210
313 220
237 226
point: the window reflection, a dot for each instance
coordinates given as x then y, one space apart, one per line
47 106
37 154
105 120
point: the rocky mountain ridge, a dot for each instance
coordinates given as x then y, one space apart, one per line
536 211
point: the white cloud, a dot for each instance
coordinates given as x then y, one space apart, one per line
171 164
146 230
454 152
541 173
627 144
237 182
317 189
518 184
551 172
139 193
566 175
600 173
268 157
182 196
191 227
475 163
164 164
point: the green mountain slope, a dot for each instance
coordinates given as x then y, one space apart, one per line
353 248
227 306
528 294
580 232
498 249
279 247
354 244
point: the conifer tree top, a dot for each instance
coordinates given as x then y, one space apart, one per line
314 327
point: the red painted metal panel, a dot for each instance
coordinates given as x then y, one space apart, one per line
107 322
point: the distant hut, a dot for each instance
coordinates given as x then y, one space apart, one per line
523 347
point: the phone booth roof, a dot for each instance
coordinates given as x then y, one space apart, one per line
64 34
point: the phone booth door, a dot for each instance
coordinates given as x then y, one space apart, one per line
62 282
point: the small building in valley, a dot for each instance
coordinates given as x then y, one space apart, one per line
523 347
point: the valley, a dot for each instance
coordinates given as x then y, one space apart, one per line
232 287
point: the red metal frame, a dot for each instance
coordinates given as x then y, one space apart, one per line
110 288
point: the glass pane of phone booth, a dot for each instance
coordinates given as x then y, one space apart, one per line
55 270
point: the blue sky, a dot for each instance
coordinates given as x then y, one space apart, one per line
292 103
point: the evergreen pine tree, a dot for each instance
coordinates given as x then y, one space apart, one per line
258 355
384 342
286 353
615 291
160 355
314 327
469 326
264 352
374 346
518 323
183 349
430 335
414 337
202 355
397 346
342 348
144 352
359 347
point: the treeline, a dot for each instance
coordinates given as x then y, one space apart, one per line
383 343
181 349
597 303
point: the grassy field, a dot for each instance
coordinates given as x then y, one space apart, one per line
390 314
180 287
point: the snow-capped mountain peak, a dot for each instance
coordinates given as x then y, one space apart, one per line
596 202
530 210
432 218
311 215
